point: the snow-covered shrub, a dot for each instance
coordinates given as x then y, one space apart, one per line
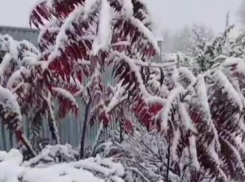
79 38
143 154
208 53
26 90
90 170
201 122
54 155
148 156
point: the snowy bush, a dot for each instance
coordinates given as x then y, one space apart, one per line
209 53
54 155
144 155
79 39
26 90
12 169
201 124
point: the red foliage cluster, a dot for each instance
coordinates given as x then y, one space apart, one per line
147 113
74 49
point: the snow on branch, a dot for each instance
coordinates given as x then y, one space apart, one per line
146 32
62 37
228 87
103 38
193 152
134 68
164 114
128 8
66 94
9 102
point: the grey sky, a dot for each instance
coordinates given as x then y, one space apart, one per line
173 14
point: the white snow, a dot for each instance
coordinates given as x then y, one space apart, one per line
49 3
175 144
213 152
128 8
66 94
103 38
185 72
12 46
185 117
12 169
134 68
118 96
88 5
228 87
236 155
174 94
121 43
203 98
193 152
16 76
9 101
51 112
4 64
62 37
146 32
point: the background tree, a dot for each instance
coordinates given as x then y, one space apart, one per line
185 39
241 12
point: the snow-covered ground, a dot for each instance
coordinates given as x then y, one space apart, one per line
13 169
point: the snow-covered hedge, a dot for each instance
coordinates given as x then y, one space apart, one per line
13 169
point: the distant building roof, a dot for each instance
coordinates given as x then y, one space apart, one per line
28 34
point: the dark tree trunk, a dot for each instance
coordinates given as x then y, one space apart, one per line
121 131
21 137
53 129
168 164
3 137
85 122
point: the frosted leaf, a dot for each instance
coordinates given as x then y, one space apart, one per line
185 117
4 64
240 143
203 98
186 73
146 32
175 144
174 94
66 94
228 87
193 152
62 37
103 38
236 154
88 5
136 70
213 152
17 77
117 97
128 8
9 101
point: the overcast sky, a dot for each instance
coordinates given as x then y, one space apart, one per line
172 14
